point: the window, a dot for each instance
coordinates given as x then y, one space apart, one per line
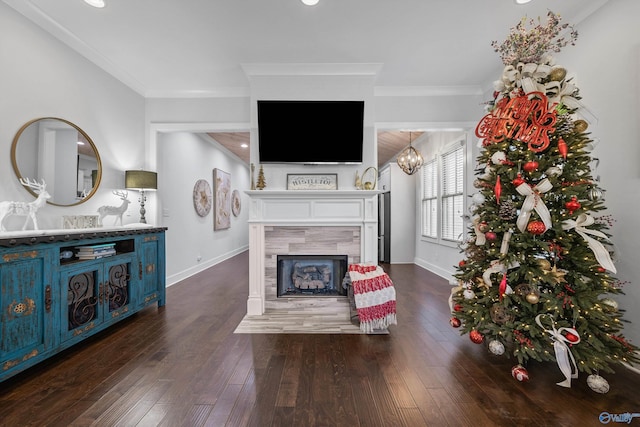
430 199
443 195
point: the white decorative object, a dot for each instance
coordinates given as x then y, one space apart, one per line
496 347
597 383
116 211
28 209
80 221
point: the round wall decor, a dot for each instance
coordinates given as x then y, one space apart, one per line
235 203
202 198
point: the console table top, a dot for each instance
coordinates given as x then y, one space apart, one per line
32 237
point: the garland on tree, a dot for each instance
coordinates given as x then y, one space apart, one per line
537 279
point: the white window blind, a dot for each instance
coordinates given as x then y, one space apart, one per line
452 194
430 199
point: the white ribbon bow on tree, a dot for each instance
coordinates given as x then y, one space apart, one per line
533 201
580 225
566 362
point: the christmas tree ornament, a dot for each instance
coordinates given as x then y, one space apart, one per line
455 322
573 205
597 383
580 125
554 171
562 148
532 298
536 227
499 158
557 74
457 307
476 336
507 210
496 347
500 314
478 198
468 294
530 166
497 189
572 338
490 235
611 303
594 194
518 180
520 373
483 227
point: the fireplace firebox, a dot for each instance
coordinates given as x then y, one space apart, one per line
311 275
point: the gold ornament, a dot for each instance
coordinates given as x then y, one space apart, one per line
544 264
532 298
556 276
580 125
558 74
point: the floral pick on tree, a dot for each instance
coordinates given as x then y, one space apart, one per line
537 279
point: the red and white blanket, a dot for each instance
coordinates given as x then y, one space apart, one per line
375 297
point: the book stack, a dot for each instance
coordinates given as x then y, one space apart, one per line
96 251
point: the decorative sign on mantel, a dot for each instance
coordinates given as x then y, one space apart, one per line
314 181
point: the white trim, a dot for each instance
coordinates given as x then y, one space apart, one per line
311 69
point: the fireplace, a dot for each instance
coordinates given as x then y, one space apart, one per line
311 275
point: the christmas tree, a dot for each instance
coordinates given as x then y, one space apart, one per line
538 274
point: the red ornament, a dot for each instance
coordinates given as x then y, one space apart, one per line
573 205
518 180
572 337
536 227
457 307
502 288
490 235
498 190
530 166
476 336
520 373
462 263
562 148
455 322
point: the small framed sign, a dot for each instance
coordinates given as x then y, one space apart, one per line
313 181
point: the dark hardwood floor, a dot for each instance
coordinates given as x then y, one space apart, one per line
182 365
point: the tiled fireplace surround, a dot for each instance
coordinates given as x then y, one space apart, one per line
305 223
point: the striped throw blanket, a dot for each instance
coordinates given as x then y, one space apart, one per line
375 297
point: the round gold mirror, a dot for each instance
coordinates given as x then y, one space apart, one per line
60 153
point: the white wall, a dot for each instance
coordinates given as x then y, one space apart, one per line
42 77
192 244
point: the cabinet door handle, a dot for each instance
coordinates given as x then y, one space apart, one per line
140 270
100 292
47 299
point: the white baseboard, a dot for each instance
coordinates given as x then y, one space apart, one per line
184 274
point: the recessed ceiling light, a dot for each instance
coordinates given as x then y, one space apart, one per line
307 2
95 3
522 1
244 145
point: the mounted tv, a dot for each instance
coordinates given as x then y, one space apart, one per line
310 132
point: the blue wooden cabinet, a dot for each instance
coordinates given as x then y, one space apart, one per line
50 300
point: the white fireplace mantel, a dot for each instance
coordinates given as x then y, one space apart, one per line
313 208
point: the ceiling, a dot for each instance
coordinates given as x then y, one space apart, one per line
197 48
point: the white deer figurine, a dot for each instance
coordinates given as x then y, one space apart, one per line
117 211
28 209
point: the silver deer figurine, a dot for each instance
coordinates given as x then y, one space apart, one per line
28 209
117 211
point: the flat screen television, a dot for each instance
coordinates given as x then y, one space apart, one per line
310 132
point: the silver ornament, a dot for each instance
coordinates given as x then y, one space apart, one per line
610 302
496 347
469 294
597 383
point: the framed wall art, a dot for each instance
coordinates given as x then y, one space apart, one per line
221 200
312 181
202 197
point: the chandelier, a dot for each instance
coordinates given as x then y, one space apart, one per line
409 160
